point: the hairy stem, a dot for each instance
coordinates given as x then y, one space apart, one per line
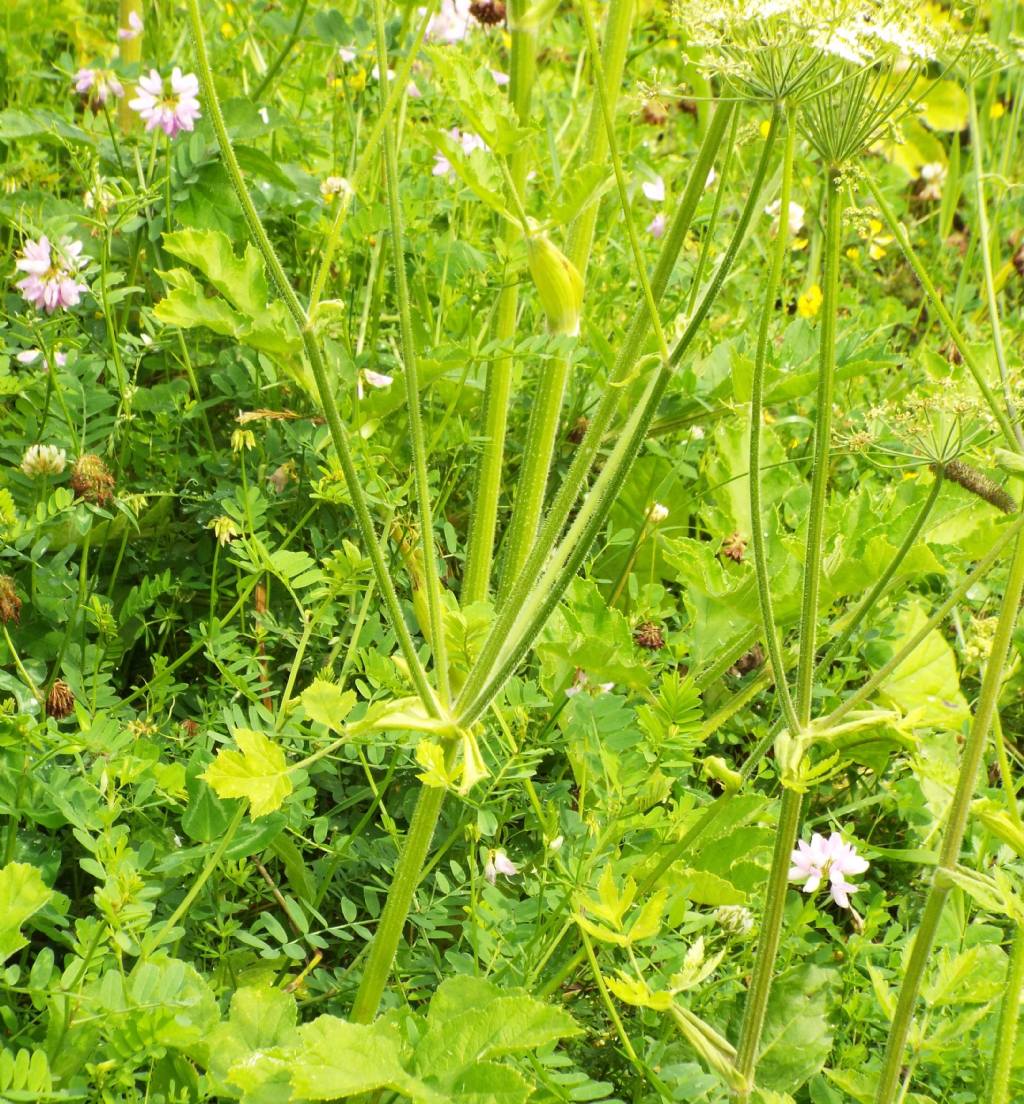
498 388
411 371
789 816
764 593
1009 1012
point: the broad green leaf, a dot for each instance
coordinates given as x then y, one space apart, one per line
706 888
241 280
22 893
489 1083
797 1036
260 1018
188 306
927 683
944 106
338 1059
258 772
470 1020
327 704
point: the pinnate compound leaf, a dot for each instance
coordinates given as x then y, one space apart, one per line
22 892
258 771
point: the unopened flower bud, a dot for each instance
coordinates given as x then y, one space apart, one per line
558 284
656 513
734 919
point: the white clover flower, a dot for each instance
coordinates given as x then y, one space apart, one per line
827 858
734 919
656 513
334 185
499 863
43 460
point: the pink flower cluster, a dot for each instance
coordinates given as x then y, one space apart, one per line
96 86
172 109
52 279
827 858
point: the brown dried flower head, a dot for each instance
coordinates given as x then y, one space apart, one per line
10 603
648 635
60 701
91 480
734 546
488 12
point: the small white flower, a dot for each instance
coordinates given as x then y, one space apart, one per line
372 379
30 356
43 460
348 54
264 114
500 79
654 189
499 863
450 22
656 513
334 185
827 858
556 843
795 221
710 179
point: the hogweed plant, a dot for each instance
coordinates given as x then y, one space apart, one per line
512 553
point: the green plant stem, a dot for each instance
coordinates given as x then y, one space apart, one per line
764 593
544 578
396 909
282 55
582 462
412 384
953 835
822 450
899 232
189 899
792 801
867 603
398 86
131 55
339 434
538 450
498 387
985 238
1009 1013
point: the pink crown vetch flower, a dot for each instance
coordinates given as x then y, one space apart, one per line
52 273
174 109
97 86
827 858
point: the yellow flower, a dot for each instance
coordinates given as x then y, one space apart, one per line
226 30
877 241
853 253
242 439
997 110
357 81
798 244
224 529
809 303
765 127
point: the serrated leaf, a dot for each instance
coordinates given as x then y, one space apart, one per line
241 280
338 1059
327 704
471 1019
22 893
258 771
260 1018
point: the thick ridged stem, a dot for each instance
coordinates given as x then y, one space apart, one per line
764 594
546 573
498 388
792 801
396 909
339 434
412 384
953 836
1009 1013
